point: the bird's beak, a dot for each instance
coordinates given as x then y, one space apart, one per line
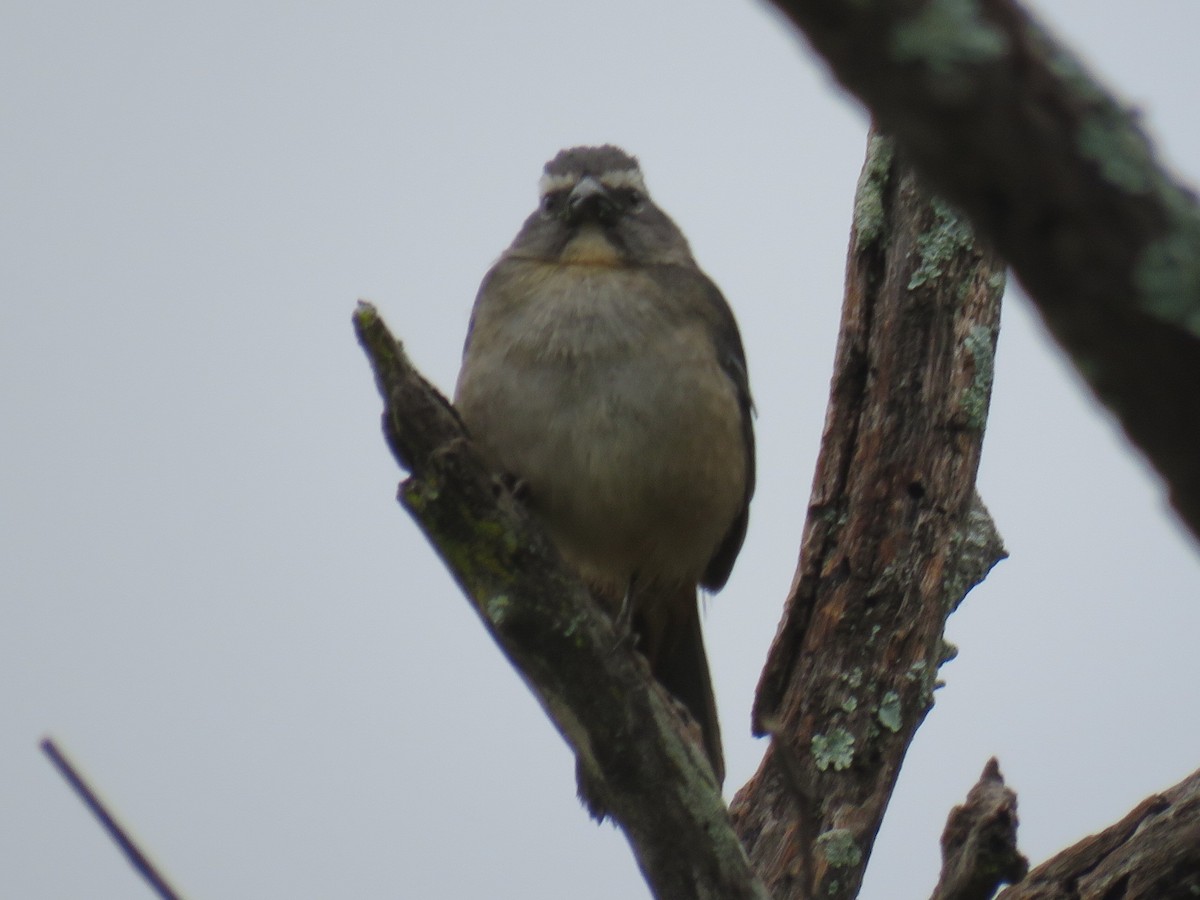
589 200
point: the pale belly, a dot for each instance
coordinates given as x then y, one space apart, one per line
634 460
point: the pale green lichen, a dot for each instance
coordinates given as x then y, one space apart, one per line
854 677
835 749
994 283
946 652
491 532
850 704
1167 273
1079 81
872 184
924 676
975 548
1111 138
573 628
839 848
940 243
947 34
980 343
834 515
418 494
476 561
889 712
497 608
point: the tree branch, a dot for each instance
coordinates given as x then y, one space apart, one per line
1151 854
1009 126
598 692
895 537
979 845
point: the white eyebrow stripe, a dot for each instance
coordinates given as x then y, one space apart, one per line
548 183
616 179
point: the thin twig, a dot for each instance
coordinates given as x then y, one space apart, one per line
115 829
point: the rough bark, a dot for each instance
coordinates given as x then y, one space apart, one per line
1151 854
895 537
979 845
625 730
1009 126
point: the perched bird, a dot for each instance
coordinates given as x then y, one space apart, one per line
604 371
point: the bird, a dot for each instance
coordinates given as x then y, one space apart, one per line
604 374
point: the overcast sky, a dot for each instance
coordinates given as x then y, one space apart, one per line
207 591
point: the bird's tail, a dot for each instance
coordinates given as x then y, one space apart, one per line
666 630
669 635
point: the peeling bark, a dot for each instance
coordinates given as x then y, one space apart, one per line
895 537
1151 854
979 845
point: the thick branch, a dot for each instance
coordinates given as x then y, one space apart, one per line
979 845
895 537
1057 174
596 689
1151 854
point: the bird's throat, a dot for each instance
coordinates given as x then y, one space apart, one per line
591 247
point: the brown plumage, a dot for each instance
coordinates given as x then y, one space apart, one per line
605 371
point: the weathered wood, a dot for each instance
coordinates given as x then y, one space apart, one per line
1151 854
895 537
979 844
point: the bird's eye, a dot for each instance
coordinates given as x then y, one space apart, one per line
552 202
634 199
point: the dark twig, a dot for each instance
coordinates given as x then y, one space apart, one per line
115 829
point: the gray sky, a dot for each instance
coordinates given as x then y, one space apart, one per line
209 595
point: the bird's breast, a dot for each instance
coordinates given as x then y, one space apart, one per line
599 391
